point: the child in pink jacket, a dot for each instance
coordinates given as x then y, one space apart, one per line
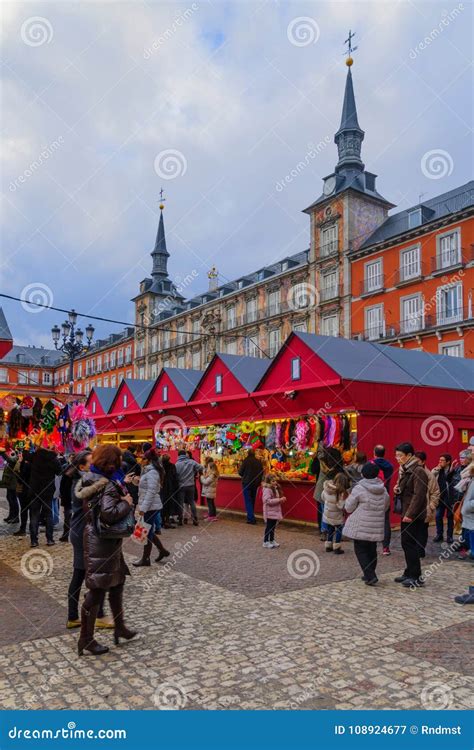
272 500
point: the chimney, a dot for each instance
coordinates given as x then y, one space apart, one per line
213 279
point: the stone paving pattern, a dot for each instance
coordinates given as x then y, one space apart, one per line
225 626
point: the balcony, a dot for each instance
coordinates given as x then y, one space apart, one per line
374 333
328 293
373 285
409 273
418 324
447 260
328 249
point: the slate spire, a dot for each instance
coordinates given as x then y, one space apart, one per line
160 254
349 137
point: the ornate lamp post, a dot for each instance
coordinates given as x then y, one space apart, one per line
72 344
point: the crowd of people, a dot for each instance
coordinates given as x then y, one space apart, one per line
106 492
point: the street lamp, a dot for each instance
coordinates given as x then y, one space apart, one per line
72 344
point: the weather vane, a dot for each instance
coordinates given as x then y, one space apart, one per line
162 199
350 48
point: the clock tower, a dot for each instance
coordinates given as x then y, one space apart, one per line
349 209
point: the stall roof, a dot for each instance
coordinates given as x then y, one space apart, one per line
184 380
140 389
361 360
105 397
248 370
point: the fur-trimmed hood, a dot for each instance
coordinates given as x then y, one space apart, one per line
85 488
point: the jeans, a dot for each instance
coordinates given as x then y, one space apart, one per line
12 500
250 493
322 524
153 517
269 535
211 506
424 536
334 535
40 507
74 591
412 536
366 553
387 535
24 509
187 496
441 511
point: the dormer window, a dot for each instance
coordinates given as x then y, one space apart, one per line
414 218
295 368
93 407
125 400
218 383
164 393
284 265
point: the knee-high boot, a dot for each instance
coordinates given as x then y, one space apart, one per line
144 562
116 605
87 641
159 545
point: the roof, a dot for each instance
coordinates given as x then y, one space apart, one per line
105 396
436 208
5 333
35 356
248 370
354 180
185 381
380 363
140 389
349 112
160 242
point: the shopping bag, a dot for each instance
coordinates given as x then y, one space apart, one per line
140 532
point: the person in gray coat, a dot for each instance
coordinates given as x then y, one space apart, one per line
187 470
367 504
150 505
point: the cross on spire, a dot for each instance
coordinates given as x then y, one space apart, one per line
350 48
162 199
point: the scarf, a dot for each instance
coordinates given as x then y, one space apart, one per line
117 476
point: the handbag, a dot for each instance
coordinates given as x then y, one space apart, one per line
397 505
121 529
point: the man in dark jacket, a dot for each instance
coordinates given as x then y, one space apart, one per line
131 467
251 473
445 476
10 482
387 470
412 488
45 466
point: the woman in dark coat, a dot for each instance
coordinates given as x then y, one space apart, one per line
169 492
104 562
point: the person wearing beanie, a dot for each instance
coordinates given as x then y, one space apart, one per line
367 504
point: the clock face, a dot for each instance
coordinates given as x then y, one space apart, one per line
329 186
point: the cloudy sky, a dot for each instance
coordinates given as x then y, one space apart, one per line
104 103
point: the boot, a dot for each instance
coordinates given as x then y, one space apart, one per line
159 545
116 605
145 559
86 639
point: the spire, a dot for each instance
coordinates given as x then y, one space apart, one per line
160 254
349 137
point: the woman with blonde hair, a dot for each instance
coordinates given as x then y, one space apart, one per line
209 479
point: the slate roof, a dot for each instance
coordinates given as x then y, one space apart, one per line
140 389
443 205
105 397
380 363
5 333
248 370
34 356
185 381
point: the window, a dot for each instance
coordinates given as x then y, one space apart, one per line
328 240
46 378
414 218
120 358
299 296
274 342
231 347
56 378
329 325
449 250
251 346
273 306
79 370
88 367
302 327
113 381
99 382
329 285
22 377
141 373
449 304
218 383
106 382
452 349
125 400
251 309
231 318
79 388
411 316
106 361
99 364
94 407
164 393
196 360
373 275
128 374
166 339
295 368
87 389
196 328
3 375
181 335
153 371
374 322
410 263
140 348
181 360
128 351
92 384
112 359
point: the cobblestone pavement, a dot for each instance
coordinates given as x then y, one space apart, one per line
228 624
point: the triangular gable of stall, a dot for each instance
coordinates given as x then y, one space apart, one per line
100 400
238 376
180 384
131 395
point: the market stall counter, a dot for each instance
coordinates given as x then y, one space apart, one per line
299 506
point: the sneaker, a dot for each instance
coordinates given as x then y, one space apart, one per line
73 624
410 583
274 544
252 523
386 551
212 518
51 543
401 579
267 545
